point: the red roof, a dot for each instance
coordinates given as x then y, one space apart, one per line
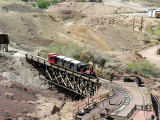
52 54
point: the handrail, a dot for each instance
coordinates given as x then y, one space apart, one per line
139 107
92 103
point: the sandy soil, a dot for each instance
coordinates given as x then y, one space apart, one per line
104 23
100 23
88 8
151 55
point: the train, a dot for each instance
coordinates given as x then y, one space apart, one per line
69 63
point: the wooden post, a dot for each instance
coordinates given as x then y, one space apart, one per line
6 47
141 26
133 22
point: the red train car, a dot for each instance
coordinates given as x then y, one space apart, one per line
70 63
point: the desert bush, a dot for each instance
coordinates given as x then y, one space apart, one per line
33 4
143 68
101 62
54 1
81 0
57 1
86 56
157 31
97 70
9 95
149 29
153 30
24 0
156 5
70 49
6 83
43 4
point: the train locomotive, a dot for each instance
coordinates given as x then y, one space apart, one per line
70 63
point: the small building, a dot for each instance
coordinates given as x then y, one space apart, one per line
154 13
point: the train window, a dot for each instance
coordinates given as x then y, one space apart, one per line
51 58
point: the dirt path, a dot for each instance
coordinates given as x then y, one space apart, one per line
151 55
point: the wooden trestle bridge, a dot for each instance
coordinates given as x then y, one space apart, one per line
68 79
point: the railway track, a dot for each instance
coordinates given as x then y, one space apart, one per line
124 103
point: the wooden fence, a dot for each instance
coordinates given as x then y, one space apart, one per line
92 103
139 108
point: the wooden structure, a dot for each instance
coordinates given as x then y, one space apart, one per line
59 76
4 41
88 106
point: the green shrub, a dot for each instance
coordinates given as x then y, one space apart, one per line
157 31
81 0
43 4
143 68
33 4
24 0
153 30
70 49
156 5
62 0
101 61
54 1
150 29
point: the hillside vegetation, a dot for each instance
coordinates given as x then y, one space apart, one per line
143 68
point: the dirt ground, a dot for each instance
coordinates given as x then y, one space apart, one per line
97 27
100 23
24 95
151 55
83 23
22 101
